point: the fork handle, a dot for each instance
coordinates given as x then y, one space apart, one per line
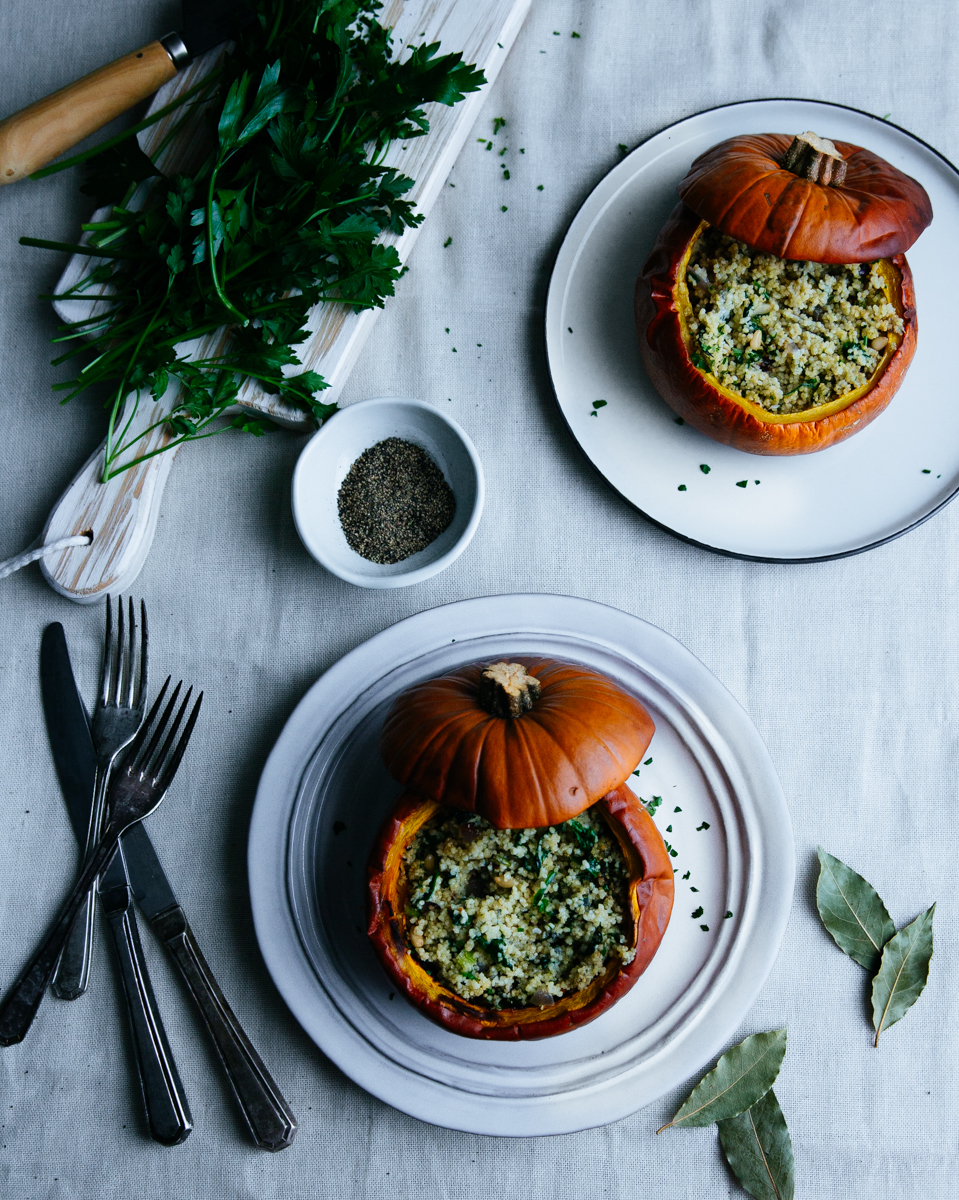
168 1113
268 1115
20 1005
72 975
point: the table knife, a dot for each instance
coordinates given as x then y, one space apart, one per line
37 134
167 1110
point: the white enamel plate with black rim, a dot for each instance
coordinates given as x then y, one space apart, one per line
324 794
877 485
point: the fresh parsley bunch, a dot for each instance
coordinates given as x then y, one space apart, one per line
284 212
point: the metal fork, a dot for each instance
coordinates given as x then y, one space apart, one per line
117 717
135 792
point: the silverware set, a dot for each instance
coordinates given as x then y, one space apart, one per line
112 776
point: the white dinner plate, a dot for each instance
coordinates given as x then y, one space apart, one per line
877 485
324 793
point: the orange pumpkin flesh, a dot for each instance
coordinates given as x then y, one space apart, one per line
662 323
578 741
650 899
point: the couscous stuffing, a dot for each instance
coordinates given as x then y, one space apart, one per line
514 918
787 335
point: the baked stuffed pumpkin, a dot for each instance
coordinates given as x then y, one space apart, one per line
776 311
520 889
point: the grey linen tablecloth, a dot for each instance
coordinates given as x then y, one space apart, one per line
849 668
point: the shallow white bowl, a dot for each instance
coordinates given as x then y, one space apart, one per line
327 458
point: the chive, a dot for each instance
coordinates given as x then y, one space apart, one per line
647 762
681 488
729 913
448 242
704 928
691 888
677 809
705 825
697 913
742 483
686 876
539 188
704 468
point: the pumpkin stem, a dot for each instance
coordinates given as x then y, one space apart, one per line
816 159
507 691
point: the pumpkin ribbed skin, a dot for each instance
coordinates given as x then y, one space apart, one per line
580 740
718 413
651 891
740 187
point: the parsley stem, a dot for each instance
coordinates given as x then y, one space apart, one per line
211 251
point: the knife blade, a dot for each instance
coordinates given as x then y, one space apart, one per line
68 728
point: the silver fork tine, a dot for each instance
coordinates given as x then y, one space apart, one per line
153 769
142 678
134 748
140 757
106 671
166 778
116 682
126 692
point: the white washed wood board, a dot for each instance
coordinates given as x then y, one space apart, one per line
122 513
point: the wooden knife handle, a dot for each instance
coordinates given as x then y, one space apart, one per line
42 131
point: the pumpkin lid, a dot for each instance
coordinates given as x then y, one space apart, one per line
807 198
525 744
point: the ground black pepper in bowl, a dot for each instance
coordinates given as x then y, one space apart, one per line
394 501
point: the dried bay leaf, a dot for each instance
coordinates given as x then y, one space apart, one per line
852 912
742 1076
759 1149
903 972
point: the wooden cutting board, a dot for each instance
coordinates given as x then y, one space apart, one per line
122 513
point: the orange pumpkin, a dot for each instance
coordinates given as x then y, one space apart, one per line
742 187
835 203
524 744
650 902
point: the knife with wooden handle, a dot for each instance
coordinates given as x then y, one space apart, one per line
41 132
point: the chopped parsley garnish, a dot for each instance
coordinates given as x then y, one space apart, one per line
539 188
448 242
539 899
686 876
681 488
498 124
597 404
506 174
729 913
705 825
653 805
677 809
697 913
704 928
742 482
704 468
669 829
669 850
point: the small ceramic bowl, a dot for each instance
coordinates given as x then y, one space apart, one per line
327 458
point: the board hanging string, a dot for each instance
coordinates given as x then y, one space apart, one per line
33 554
